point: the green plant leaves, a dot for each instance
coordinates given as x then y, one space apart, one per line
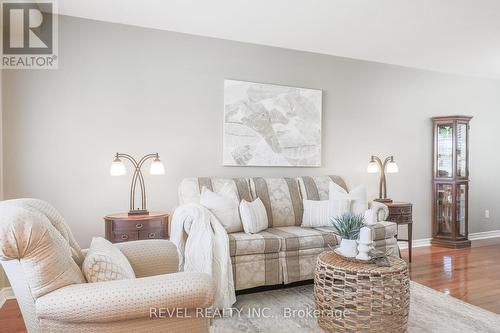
347 225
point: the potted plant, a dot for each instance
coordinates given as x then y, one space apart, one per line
347 226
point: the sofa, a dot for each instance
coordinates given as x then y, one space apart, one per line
42 260
285 252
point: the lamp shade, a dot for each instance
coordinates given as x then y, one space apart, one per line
157 167
117 168
372 167
392 167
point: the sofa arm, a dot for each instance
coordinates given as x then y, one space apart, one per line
381 210
109 301
151 257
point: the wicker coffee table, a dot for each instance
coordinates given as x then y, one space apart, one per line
351 296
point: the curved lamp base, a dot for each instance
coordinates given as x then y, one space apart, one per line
387 200
138 212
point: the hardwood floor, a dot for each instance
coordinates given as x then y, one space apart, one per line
472 275
11 320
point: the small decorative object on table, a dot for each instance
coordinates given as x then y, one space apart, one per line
389 166
352 296
118 169
347 226
364 243
123 227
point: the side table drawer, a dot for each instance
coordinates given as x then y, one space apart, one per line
124 236
151 234
400 218
402 210
123 225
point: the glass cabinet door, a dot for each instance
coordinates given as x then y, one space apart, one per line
444 147
444 209
462 150
461 209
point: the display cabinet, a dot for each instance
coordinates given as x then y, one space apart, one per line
450 181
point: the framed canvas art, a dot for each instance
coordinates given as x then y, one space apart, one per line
271 125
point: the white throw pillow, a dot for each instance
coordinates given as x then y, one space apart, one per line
357 198
224 205
317 213
105 262
254 216
370 217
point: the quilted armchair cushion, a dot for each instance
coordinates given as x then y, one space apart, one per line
44 255
56 219
151 257
113 301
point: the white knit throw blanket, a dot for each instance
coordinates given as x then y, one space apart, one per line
206 249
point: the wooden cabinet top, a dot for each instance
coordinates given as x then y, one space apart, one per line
398 204
125 216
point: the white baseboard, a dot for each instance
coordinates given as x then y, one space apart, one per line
484 235
416 243
5 294
472 236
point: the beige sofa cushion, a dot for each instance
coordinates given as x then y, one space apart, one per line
281 198
241 243
44 255
298 238
105 262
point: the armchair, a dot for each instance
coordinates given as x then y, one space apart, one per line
42 261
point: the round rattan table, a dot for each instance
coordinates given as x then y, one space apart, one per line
353 296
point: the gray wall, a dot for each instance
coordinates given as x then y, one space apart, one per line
129 89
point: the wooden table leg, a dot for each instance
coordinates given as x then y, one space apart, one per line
409 240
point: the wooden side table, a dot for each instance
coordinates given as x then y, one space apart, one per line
122 227
402 213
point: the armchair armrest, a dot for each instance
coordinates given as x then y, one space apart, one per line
151 257
381 210
109 301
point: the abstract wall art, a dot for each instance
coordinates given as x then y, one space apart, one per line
271 125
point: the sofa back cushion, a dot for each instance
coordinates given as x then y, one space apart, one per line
190 188
281 198
317 187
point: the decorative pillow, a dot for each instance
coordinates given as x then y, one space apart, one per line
224 205
105 262
370 217
357 198
254 216
319 213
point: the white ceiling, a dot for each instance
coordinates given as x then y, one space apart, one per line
454 36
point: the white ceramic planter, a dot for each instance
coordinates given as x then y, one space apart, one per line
349 247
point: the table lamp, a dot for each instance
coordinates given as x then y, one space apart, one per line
389 166
118 169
